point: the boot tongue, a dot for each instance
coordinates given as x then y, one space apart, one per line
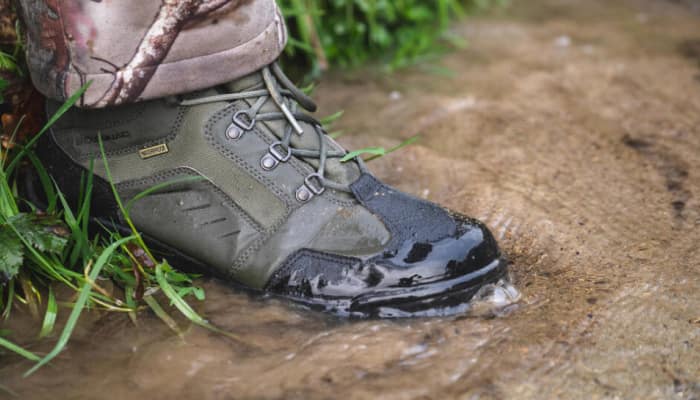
249 82
343 173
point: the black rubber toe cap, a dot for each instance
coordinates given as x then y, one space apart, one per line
413 277
471 248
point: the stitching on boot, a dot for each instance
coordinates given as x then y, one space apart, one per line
211 139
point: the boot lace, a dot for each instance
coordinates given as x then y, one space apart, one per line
287 97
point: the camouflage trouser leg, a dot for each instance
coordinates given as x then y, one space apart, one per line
133 50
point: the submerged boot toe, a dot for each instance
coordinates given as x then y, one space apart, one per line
430 268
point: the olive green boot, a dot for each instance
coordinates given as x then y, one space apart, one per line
255 192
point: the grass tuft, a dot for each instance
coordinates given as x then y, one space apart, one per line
56 244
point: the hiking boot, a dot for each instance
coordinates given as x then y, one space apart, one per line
251 189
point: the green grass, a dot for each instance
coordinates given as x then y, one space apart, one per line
396 33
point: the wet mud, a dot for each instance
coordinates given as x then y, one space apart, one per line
573 130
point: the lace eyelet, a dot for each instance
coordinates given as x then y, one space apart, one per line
303 194
268 162
280 156
234 132
313 186
315 183
274 156
246 126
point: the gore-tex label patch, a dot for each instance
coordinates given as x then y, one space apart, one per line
153 151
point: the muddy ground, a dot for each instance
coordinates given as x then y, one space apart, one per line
573 129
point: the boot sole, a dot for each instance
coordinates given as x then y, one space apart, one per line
434 299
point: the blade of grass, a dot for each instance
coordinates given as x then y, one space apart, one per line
80 241
377 152
10 299
46 182
8 205
329 120
16 349
367 150
129 298
3 159
118 199
185 308
86 201
160 313
408 142
50 315
176 300
79 305
61 110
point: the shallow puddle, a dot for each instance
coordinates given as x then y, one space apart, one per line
573 130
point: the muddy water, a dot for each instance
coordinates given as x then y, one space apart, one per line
573 129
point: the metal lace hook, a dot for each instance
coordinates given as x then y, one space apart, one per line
277 98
